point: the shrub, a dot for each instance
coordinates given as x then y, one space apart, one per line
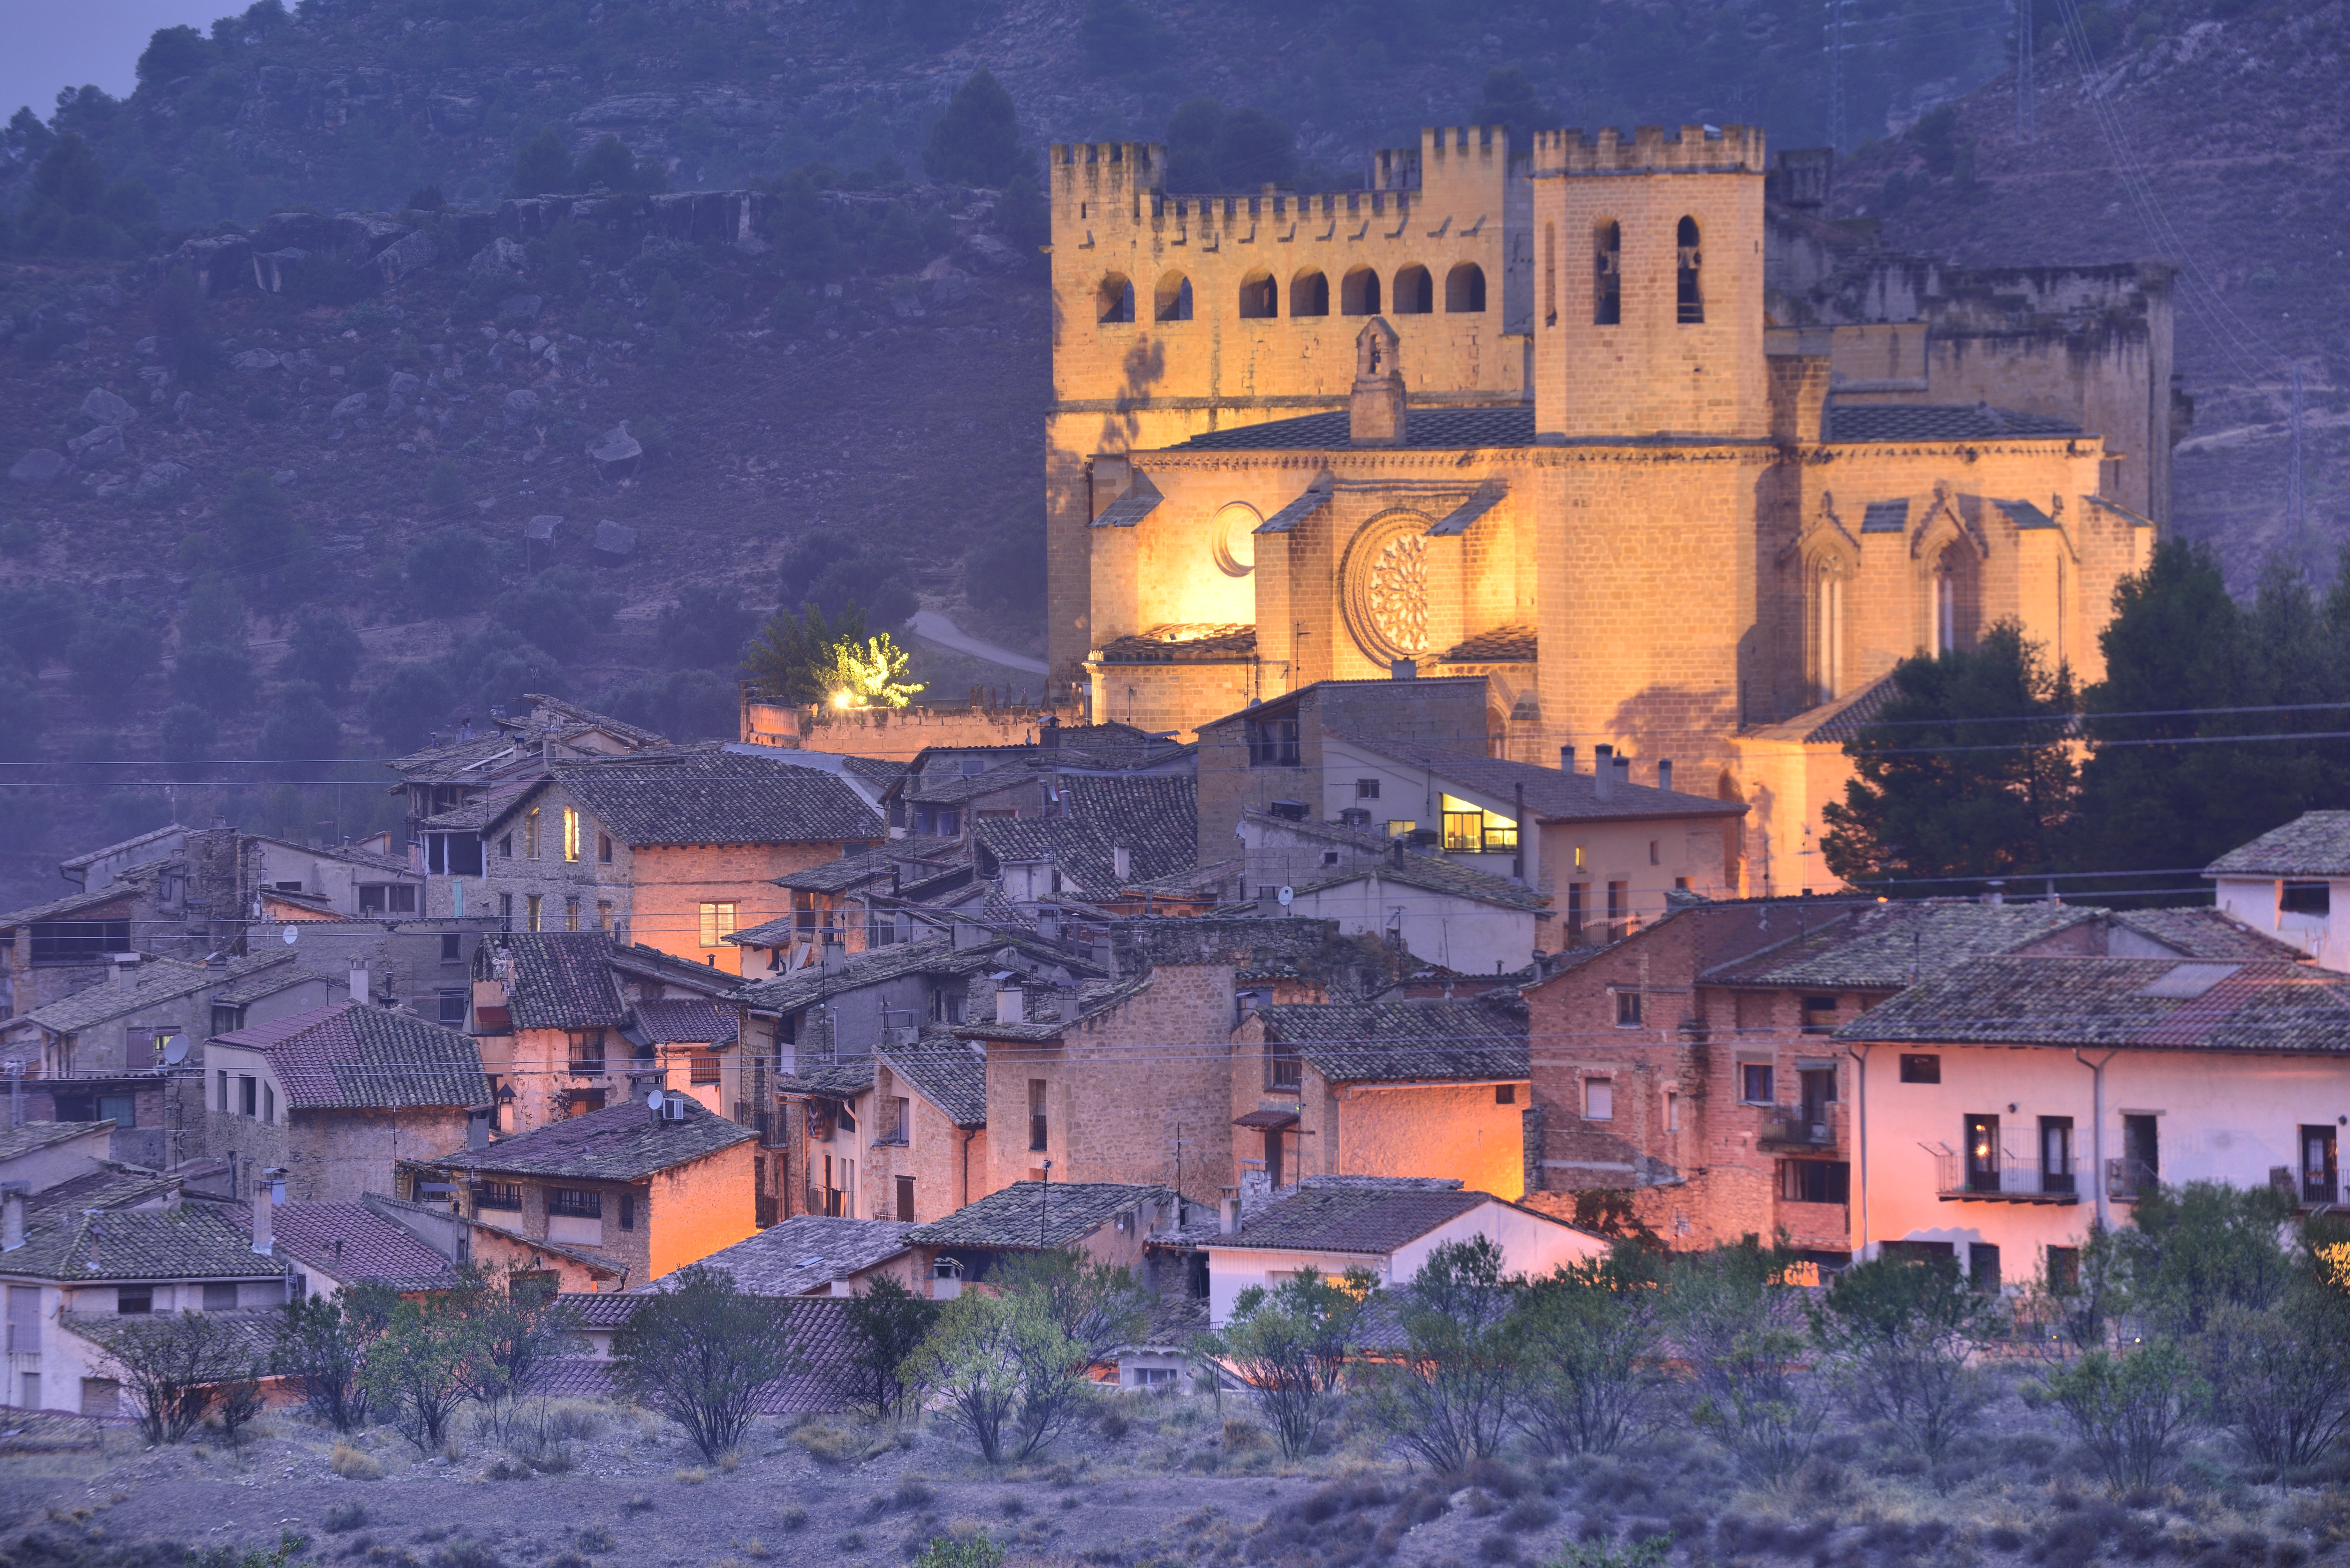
354 1464
109 654
1289 1343
258 530
186 732
701 1350
977 140
1588 1382
1449 1397
301 733
1903 1336
973 1551
172 1368
2130 1410
344 1517
407 704
1740 1325
38 621
322 1347
323 649
887 1325
215 677
450 571
412 1370
705 627
558 612
2278 1379
2193 1249
543 166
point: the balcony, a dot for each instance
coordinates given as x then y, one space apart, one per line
1790 1127
2127 1178
2004 1176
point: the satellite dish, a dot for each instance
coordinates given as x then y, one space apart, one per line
290 935
1285 895
654 1100
175 1049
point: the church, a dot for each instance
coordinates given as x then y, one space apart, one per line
1623 425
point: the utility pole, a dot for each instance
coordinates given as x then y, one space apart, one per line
2023 83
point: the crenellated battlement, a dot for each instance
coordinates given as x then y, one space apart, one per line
1108 174
1697 149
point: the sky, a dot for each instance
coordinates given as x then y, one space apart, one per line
52 43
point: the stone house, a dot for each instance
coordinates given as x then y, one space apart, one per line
2287 882
945 790
673 849
821 1255
1331 1224
1425 1089
335 1100
439 1222
928 1116
648 1189
470 766
1110 1222
327 1246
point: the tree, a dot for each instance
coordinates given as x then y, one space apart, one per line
611 165
520 1324
2279 1381
1007 569
110 654
1964 773
450 571
832 569
172 53
1004 1372
794 655
1191 144
38 621
1588 1366
186 731
2196 1250
1903 1336
543 166
301 733
886 1323
214 613
407 704
1449 1397
1509 99
1740 1326
2131 1410
871 675
977 140
1022 217
1252 149
213 676
413 1369
683 704
444 487
1097 1306
699 1350
322 1350
170 1365
499 669
259 529
558 611
705 627
1290 1345
323 649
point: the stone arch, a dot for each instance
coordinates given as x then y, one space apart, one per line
1114 301
1260 296
1827 580
1415 291
1464 290
1309 292
1688 289
1358 292
1606 272
1174 302
1233 538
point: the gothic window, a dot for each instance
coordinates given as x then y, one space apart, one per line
1174 298
1116 299
1260 296
1358 293
1607 275
1688 295
1954 598
1415 292
1309 293
1550 274
1827 653
1464 290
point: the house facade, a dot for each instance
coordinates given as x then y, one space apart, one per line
2290 882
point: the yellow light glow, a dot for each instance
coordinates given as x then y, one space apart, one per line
841 699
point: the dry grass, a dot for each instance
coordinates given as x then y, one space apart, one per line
691 1475
354 1464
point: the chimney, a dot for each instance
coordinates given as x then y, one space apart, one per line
1121 863
1664 772
1603 775
1622 770
1228 1215
1376 415
1010 1005
359 984
12 1219
477 1126
1404 669
1048 733
1566 759
121 965
263 1195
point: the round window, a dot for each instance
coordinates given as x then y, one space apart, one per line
1234 533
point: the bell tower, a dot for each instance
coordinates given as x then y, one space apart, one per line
1648 284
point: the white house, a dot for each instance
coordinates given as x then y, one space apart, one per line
2287 882
1388 1225
2007 1104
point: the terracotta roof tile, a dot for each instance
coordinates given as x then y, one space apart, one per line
1938 422
352 1055
951 1073
1387 1041
2155 1003
1550 793
1371 1220
2314 844
619 1143
1884 947
563 979
717 797
685 1022
350 1243
807 1251
1039 1214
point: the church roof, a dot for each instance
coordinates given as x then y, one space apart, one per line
1939 421
1513 424
1183 642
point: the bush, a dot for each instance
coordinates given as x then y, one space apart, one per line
1903 1336
110 654
321 1353
450 571
543 166
2130 1410
699 1350
23 715
1450 1398
498 670
887 1325
187 733
213 676
301 733
833 570
408 704
2278 1378
559 611
169 1367
412 1369
1289 1343
1004 1372
973 1550
1740 1325
260 534
977 140
1007 569
684 705
323 649
344 1517
705 627
38 621
1588 1374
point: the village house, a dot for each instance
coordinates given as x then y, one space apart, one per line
1389 1226
1391 1088
2287 882
1108 1223
674 849
470 765
334 1100
1692 1067
329 1246
2006 1105
945 790
648 1188
928 1116
820 1255
436 1218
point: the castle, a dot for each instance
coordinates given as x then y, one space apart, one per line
1623 426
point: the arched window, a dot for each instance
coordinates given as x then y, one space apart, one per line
1827 630
1174 298
1550 274
1415 292
1954 598
1260 296
1116 300
1358 293
1688 295
1607 275
1309 293
1464 290
1233 539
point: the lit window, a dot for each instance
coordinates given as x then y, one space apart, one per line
1469 829
717 920
570 834
1599 1099
530 834
1398 828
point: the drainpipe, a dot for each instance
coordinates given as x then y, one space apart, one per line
2097 1133
1859 1055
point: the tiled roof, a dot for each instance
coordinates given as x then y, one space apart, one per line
476 759
809 1252
2314 844
110 1186
2205 932
253 1334
1884 947
1503 645
717 797
840 876
619 1143
192 1242
70 905
1550 793
1938 422
685 1022
1834 723
33 1137
563 979
1370 1219
951 1073
84 861
1886 516
600 1309
826 1384
1389 1042
958 789
1486 497
1138 502
1092 999
2154 1004
1183 642
353 1057
269 981
1193 881
1510 425
804 987
1037 1214
1435 874
350 1243
158 979
1155 817
879 769
834 1080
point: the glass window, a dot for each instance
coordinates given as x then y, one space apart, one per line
1819 1014
571 833
530 911
575 1202
1469 829
2305 898
497 1195
1036 1126
1599 1099
1283 1069
1272 743
570 914
1921 1069
1367 789
1754 1084
1815 1181
1627 1009
530 834
604 847
603 914
717 920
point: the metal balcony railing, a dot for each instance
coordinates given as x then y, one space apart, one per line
2006 1174
1791 1124
2125 1179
